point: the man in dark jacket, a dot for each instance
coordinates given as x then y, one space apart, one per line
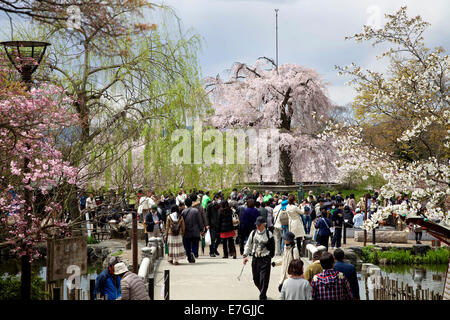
193 227
338 223
213 224
153 221
247 225
107 283
348 270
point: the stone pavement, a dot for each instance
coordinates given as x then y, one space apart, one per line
213 279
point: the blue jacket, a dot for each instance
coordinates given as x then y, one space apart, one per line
349 272
248 219
323 227
104 284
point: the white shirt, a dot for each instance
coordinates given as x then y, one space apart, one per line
90 203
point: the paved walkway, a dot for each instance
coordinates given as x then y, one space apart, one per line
213 279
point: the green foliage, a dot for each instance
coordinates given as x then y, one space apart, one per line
397 256
118 253
92 240
10 288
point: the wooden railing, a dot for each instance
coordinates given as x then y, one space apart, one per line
393 290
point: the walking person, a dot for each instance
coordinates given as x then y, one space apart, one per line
296 287
418 232
281 225
348 270
295 222
323 226
193 227
132 287
307 220
227 229
338 223
107 283
330 284
289 254
262 246
175 228
247 221
213 224
152 225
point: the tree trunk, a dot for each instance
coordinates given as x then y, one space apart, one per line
286 176
25 279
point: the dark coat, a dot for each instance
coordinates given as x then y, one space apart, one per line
149 221
193 222
212 215
349 272
248 219
226 220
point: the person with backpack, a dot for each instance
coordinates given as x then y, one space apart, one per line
227 229
288 255
281 225
323 226
174 235
262 246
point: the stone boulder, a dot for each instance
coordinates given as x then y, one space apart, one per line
350 256
383 236
357 250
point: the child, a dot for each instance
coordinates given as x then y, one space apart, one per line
296 287
289 254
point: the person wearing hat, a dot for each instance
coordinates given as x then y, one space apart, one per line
262 246
289 254
107 283
132 287
152 225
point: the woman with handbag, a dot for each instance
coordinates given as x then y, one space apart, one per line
227 229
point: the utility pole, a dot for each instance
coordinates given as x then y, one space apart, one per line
276 19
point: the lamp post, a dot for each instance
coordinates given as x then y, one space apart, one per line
25 56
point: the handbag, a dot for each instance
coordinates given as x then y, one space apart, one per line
208 238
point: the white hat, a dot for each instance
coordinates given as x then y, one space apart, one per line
358 210
120 268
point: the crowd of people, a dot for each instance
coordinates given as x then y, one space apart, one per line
263 226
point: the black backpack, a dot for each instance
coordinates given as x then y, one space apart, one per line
270 244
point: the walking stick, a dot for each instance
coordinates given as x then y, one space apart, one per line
239 278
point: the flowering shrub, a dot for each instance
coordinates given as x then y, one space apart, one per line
30 123
413 96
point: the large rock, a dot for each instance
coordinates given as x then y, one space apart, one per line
351 256
357 250
421 249
383 236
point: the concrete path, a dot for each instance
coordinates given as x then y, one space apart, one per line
213 279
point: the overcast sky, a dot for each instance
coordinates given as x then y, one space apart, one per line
311 32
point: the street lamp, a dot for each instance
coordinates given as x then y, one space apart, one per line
25 56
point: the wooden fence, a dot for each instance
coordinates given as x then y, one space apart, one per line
393 290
